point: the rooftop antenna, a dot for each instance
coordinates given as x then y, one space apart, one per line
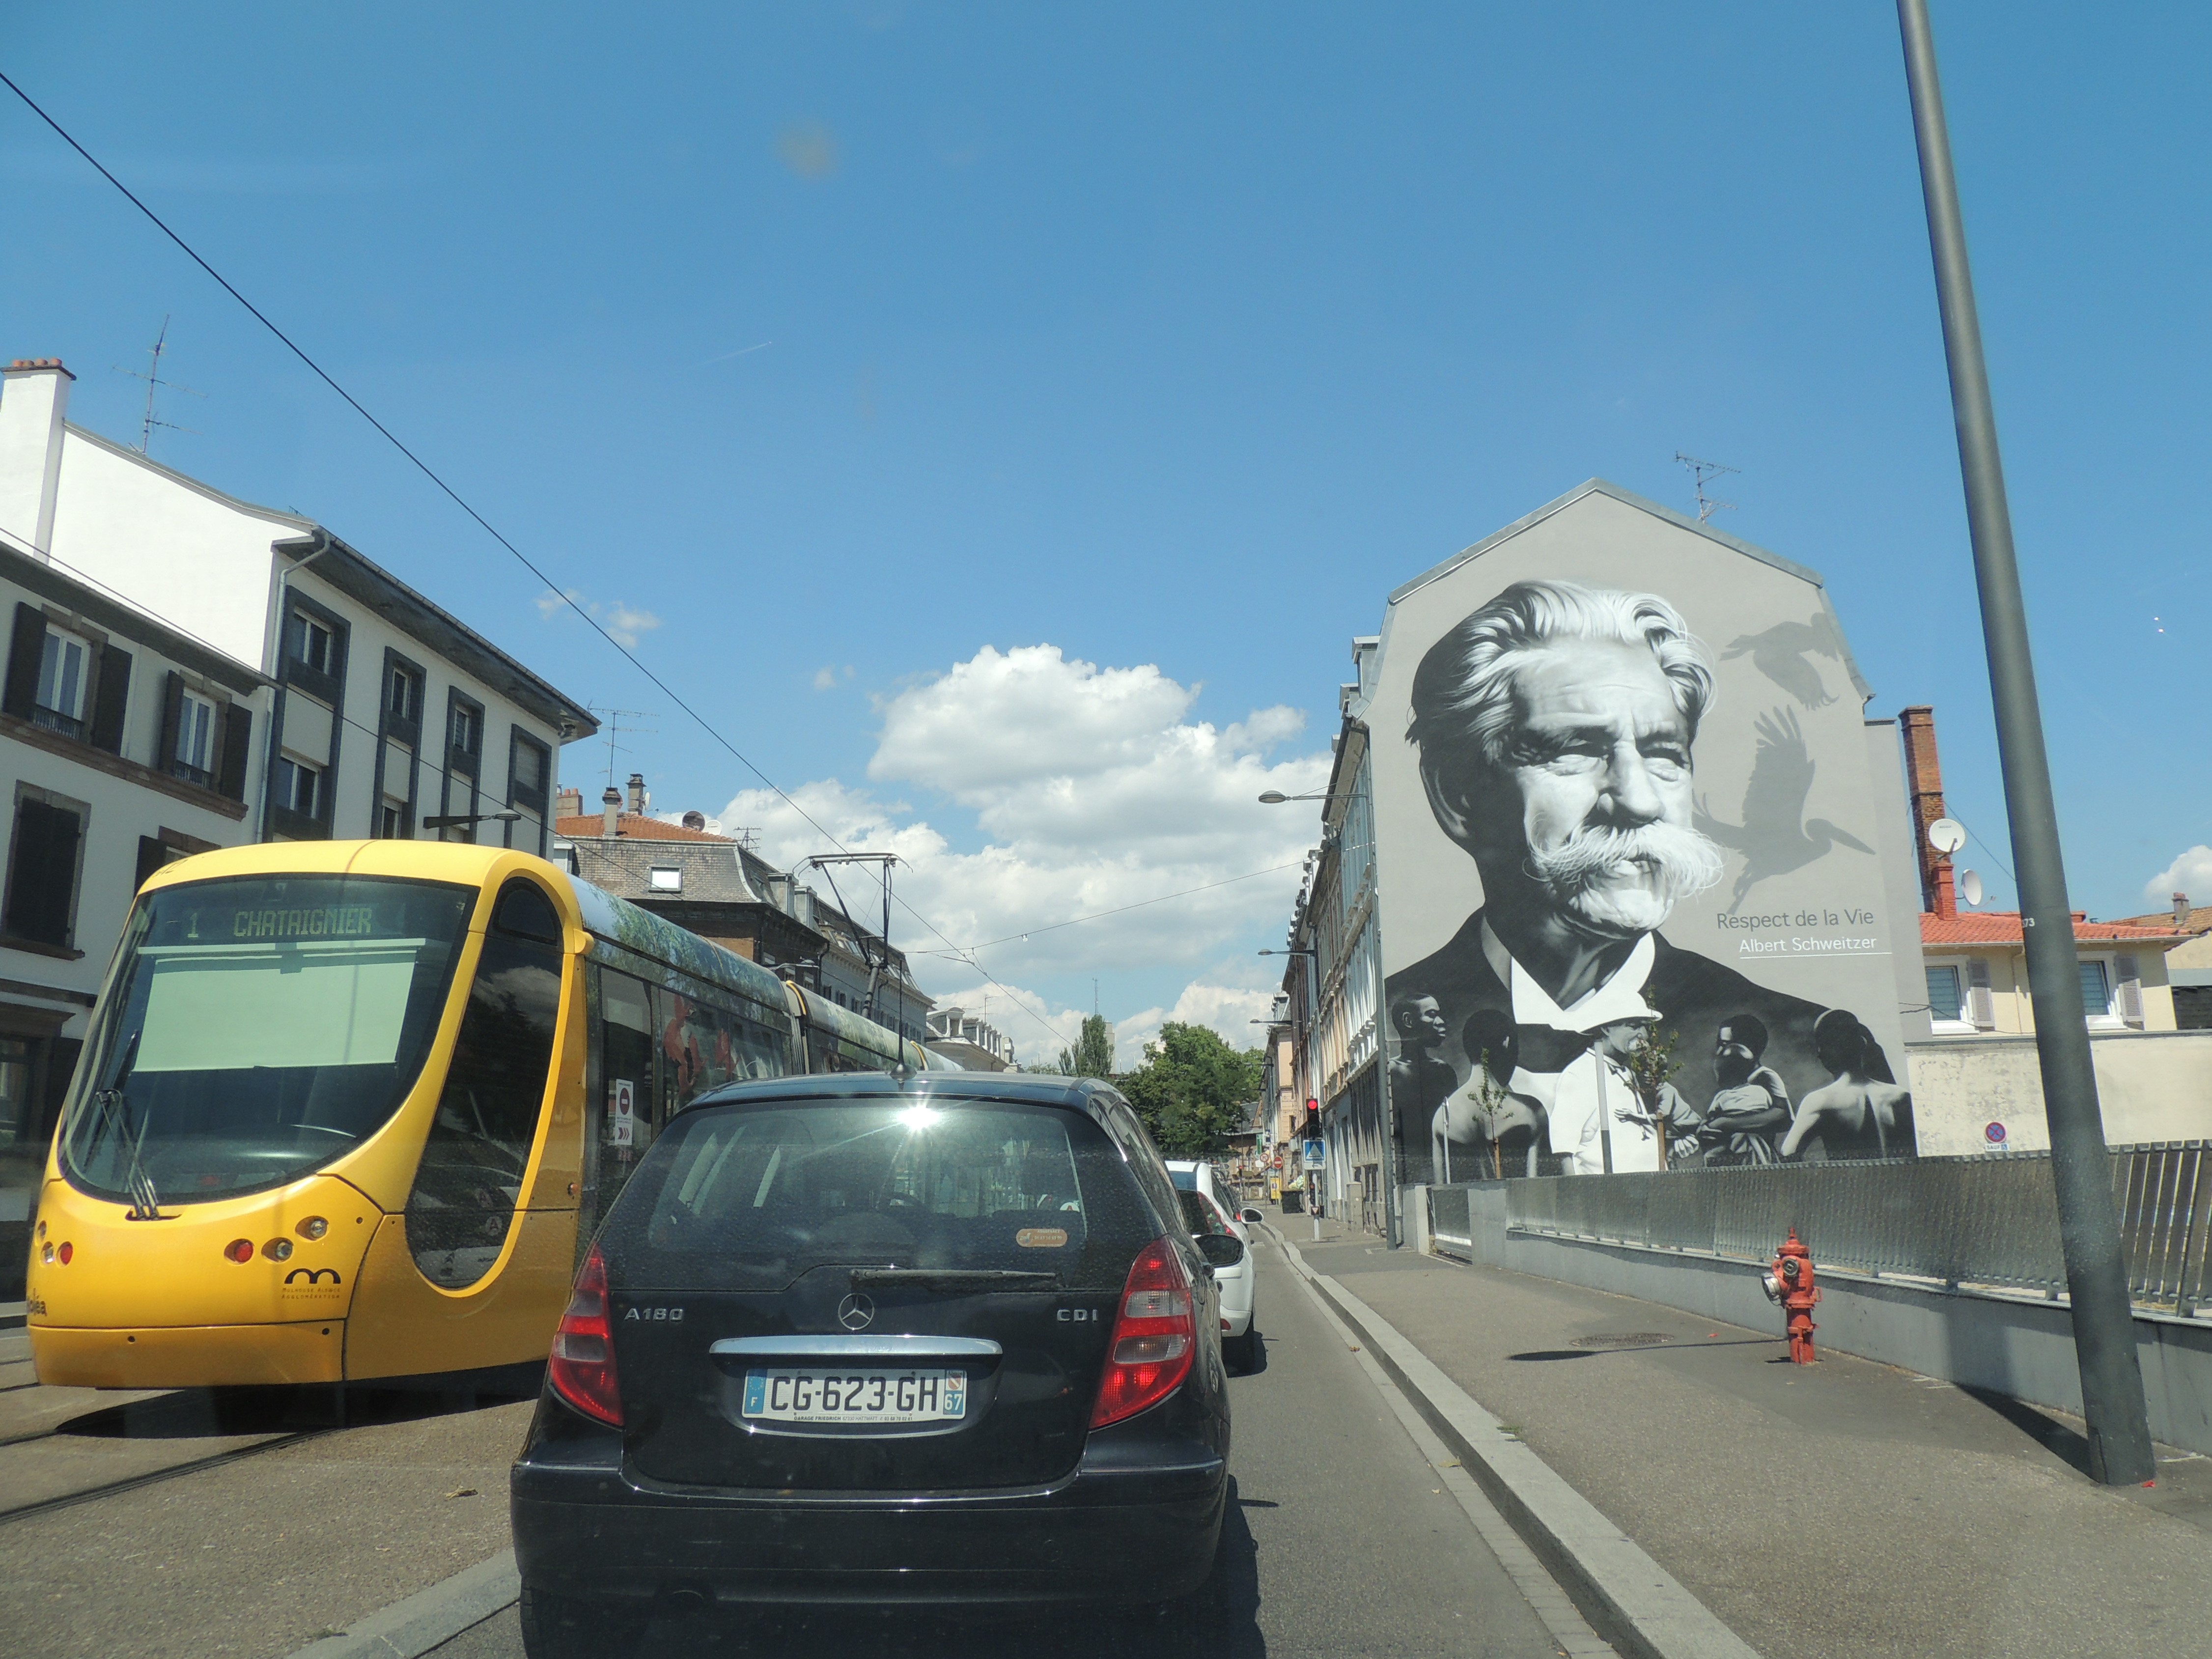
153 383
615 719
1705 472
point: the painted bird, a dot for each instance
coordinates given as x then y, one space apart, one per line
1775 836
1780 653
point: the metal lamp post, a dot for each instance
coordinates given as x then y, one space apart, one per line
2096 1274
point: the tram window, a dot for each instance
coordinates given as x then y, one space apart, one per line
471 1176
625 1124
523 909
257 1028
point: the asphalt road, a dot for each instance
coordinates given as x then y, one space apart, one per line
1344 1538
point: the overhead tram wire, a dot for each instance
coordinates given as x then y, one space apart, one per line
454 495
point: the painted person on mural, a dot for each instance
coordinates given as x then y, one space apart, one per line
1556 726
1601 1122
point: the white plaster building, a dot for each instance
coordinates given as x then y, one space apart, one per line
187 670
388 709
125 745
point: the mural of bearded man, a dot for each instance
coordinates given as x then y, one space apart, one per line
1556 726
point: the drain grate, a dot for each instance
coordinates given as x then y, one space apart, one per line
1627 1340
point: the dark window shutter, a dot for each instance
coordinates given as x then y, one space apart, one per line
152 856
42 883
173 716
109 699
237 737
23 654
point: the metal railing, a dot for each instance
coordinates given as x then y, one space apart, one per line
1990 1220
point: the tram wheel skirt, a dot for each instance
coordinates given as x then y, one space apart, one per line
190 1356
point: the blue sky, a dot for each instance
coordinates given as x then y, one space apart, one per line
1167 338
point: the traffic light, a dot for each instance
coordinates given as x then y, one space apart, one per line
1312 1130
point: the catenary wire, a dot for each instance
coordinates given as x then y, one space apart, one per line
455 497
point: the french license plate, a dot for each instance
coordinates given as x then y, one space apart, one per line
855 1396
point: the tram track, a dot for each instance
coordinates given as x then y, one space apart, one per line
155 1477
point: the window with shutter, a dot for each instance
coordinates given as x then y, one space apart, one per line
2131 999
1981 1001
44 861
2096 991
27 653
111 699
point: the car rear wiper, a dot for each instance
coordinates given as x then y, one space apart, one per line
955 1280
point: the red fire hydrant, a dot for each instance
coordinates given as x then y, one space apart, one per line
1789 1282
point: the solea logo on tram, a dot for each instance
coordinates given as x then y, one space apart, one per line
344 1110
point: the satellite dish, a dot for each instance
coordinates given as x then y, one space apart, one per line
1946 834
1970 886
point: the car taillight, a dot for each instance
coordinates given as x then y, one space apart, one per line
582 1366
1155 1337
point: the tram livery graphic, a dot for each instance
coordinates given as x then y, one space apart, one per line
346 1111
1626 791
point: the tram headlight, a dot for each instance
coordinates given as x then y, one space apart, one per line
46 1254
313 1228
240 1249
277 1249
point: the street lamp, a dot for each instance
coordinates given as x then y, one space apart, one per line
1295 951
1276 797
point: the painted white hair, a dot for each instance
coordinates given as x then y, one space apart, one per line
1463 703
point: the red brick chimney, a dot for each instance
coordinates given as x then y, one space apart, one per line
1924 785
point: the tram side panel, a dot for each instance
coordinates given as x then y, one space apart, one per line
471 1272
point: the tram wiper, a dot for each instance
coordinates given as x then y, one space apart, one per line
115 1112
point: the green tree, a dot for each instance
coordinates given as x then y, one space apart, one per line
1194 1090
1093 1053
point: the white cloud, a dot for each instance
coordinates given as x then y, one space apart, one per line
625 624
2191 874
824 679
1088 789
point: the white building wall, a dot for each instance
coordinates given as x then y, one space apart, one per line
185 552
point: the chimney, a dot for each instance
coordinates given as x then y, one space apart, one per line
695 820
1924 785
612 802
568 803
2181 909
637 794
34 401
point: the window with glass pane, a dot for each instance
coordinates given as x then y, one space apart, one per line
1945 1001
405 702
2096 991
471 1176
195 756
62 675
299 787
311 642
468 729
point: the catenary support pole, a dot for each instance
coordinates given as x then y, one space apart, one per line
2096 1274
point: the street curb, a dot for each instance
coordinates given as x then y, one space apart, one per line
409 1629
1629 1599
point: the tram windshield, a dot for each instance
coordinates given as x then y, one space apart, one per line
256 1029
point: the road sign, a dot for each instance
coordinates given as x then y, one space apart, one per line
1316 1154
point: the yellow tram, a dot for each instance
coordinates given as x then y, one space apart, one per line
351 1110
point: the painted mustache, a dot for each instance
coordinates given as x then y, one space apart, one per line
1672 861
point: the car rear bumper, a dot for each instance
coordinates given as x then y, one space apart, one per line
1132 1524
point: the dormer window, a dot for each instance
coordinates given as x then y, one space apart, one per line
665 878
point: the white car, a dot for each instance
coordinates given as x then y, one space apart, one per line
1197 1185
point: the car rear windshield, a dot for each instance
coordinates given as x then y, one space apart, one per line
1187 1180
752 1196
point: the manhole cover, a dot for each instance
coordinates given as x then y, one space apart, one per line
1629 1339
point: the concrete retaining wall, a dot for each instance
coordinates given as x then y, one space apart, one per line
2017 1348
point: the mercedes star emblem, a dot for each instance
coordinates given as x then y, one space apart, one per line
856 1312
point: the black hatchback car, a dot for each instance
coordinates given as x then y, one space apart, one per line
849 1340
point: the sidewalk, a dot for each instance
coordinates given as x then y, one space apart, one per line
1831 1511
